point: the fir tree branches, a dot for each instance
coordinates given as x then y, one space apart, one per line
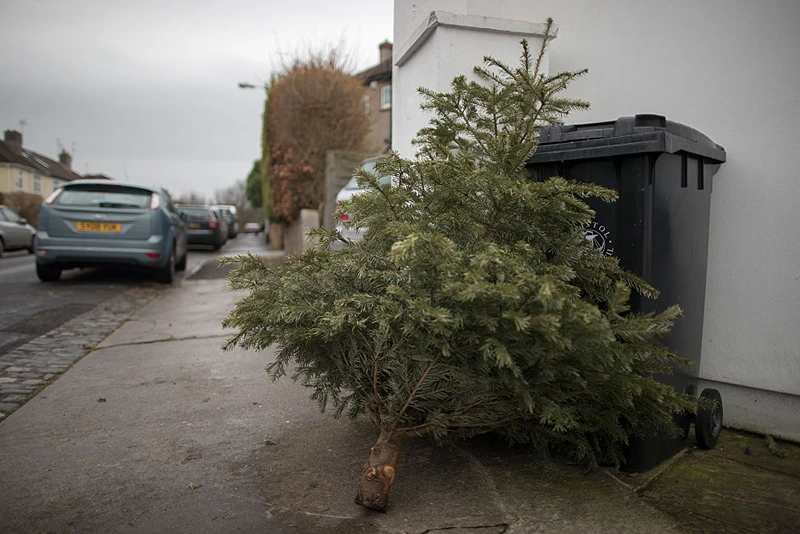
473 302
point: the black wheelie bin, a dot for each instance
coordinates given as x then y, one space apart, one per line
658 229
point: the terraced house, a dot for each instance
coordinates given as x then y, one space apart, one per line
27 171
377 82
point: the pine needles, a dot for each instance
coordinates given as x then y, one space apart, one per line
473 303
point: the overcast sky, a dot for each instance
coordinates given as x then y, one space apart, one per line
147 89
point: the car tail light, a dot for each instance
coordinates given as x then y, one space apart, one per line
342 216
153 255
212 224
53 196
155 201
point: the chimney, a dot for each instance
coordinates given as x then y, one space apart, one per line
386 51
65 160
14 140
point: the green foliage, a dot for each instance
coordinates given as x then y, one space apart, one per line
254 189
266 178
473 303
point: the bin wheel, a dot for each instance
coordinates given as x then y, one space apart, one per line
708 423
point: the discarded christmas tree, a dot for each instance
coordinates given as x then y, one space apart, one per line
473 303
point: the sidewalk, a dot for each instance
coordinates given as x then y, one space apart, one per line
159 430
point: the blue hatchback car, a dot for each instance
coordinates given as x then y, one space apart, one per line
90 223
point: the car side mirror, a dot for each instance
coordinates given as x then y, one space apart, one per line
23 221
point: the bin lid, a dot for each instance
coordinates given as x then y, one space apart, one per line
625 136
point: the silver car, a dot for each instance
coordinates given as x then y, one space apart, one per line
88 223
229 213
15 232
344 225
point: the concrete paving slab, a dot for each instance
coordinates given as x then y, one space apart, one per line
159 430
738 487
140 441
193 309
546 496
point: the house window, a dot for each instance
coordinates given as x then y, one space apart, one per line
37 184
20 180
386 97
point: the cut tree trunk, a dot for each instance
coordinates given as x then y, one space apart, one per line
379 471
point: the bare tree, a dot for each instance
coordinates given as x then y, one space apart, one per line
27 205
191 197
236 195
315 105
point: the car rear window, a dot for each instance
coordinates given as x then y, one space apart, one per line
196 214
227 212
368 166
104 196
10 215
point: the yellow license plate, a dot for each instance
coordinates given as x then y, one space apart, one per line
87 226
192 225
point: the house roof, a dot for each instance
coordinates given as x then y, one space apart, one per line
36 161
380 72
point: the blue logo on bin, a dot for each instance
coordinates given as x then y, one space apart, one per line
599 236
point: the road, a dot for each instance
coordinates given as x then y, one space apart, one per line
30 308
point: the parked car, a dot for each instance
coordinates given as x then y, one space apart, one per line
223 223
231 218
204 226
349 190
252 228
15 232
89 223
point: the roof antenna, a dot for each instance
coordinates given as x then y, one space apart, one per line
22 124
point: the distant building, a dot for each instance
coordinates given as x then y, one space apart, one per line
28 171
377 83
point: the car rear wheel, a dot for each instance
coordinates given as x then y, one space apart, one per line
166 274
2 248
47 273
181 265
32 246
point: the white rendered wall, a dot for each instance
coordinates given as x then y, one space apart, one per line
431 59
729 69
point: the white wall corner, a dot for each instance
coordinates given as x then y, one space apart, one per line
468 22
